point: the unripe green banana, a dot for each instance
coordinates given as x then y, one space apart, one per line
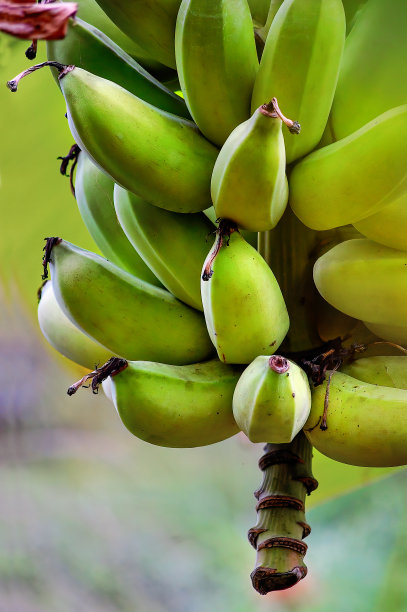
396 334
384 370
64 336
244 309
129 316
217 63
94 195
352 12
259 10
176 406
366 424
88 48
354 177
374 59
273 8
150 23
174 246
300 66
389 225
365 280
272 400
249 184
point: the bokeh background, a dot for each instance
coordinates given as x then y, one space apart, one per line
94 520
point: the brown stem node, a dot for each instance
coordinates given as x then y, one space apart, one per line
49 245
226 227
62 70
112 367
71 157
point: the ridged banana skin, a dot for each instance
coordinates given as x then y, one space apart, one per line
269 406
64 336
374 59
384 370
161 157
217 63
300 66
150 23
174 246
354 177
94 196
367 424
244 309
389 225
365 280
129 316
88 48
177 406
249 184
390 333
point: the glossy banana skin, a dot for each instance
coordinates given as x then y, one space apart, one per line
270 405
176 406
374 59
389 225
162 158
367 424
215 39
94 196
300 66
64 336
354 177
384 370
365 280
173 245
132 318
390 333
150 23
88 48
244 309
249 184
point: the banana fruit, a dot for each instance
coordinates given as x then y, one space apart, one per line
396 334
384 370
217 63
300 66
272 400
388 226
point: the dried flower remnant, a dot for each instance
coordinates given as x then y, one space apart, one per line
31 21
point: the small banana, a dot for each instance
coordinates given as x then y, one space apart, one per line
387 226
384 370
244 309
272 400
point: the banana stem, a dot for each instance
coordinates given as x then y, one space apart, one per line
281 525
62 71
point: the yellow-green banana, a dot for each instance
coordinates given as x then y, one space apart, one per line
244 309
129 316
217 63
64 336
374 60
300 66
384 370
176 406
396 334
365 280
272 400
173 245
389 225
354 177
366 424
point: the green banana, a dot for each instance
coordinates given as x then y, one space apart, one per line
88 48
249 184
244 310
300 66
64 336
150 23
387 226
272 400
273 8
366 424
259 10
384 370
127 315
354 177
365 280
94 196
174 246
353 9
176 406
396 334
217 63
374 59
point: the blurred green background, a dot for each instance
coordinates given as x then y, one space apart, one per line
92 519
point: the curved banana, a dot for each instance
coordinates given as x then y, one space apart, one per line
273 8
300 66
217 63
129 316
272 400
384 370
249 184
387 226
396 334
375 56
94 196
176 406
352 11
174 246
244 309
64 336
366 424
259 10
354 177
